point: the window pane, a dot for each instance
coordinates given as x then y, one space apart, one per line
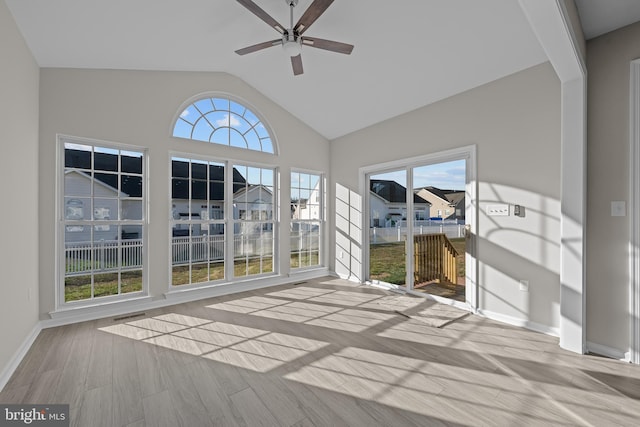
221 136
237 140
190 114
182 129
106 161
99 243
131 209
77 183
77 156
131 162
198 170
204 105
199 190
105 284
131 281
77 208
202 130
211 119
216 190
131 185
77 287
267 146
221 104
197 241
179 169
105 184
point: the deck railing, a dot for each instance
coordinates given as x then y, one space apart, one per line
435 258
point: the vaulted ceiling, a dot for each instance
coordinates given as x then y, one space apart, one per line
407 53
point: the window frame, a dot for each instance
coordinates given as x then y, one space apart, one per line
231 98
322 220
62 223
192 222
228 220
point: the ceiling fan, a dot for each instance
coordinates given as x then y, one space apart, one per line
292 39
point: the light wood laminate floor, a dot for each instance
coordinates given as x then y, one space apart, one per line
320 353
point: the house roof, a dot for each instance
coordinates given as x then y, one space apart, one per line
180 182
393 192
450 196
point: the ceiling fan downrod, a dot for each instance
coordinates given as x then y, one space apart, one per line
291 43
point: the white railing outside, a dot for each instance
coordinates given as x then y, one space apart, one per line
203 248
305 241
398 234
102 255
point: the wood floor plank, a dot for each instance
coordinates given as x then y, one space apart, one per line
159 411
127 393
252 410
96 409
317 354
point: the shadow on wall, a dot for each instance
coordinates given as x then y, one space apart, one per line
519 256
510 249
348 250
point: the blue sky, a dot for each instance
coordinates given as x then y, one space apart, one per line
446 176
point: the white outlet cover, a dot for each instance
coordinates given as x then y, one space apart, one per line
498 210
618 209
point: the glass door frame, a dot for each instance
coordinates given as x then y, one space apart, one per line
467 153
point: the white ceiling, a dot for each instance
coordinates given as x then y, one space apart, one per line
407 53
602 16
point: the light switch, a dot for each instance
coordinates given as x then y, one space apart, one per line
498 210
618 209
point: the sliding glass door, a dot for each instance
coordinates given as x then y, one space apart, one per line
418 227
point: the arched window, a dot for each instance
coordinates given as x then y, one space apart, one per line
223 121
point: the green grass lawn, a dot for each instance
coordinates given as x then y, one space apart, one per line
387 263
78 288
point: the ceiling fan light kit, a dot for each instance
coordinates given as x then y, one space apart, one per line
292 39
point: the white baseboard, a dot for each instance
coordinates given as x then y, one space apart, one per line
607 351
510 320
13 364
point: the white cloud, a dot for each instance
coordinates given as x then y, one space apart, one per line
228 120
184 114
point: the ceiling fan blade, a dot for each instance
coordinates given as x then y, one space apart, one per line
296 63
310 15
328 45
259 46
256 10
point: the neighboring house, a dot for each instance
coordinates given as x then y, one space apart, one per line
388 203
307 208
78 205
215 208
445 204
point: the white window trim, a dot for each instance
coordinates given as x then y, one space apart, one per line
634 214
60 303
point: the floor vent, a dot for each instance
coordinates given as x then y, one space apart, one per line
298 283
129 316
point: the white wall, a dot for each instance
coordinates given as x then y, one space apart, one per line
608 64
515 123
19 75
138 108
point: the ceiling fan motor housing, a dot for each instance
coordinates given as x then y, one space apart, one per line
291 44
